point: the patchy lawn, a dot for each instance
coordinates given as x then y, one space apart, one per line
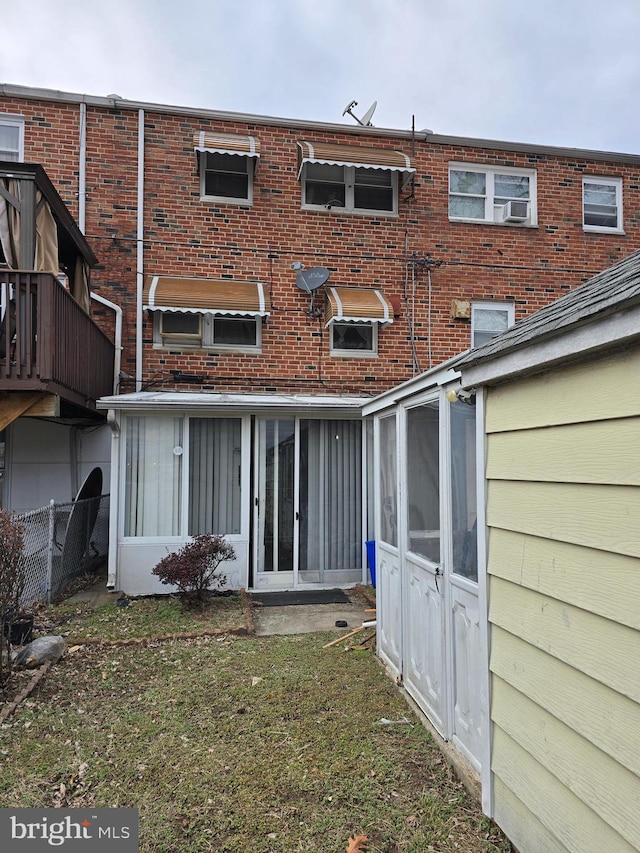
227 744
142 618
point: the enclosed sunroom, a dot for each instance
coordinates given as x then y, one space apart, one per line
282 477
431 588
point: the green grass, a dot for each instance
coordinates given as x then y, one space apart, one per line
142 618
227 744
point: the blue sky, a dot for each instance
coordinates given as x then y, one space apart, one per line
556 72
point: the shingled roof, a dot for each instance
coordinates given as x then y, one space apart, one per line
608 292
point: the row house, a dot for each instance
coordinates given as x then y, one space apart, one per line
261 280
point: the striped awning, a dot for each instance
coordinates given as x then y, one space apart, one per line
206 296
353 155
357 305
226 143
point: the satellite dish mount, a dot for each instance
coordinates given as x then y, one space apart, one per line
309 281
365 121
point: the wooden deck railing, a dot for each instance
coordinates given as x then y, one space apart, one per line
48 343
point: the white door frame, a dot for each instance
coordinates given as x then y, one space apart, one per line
275 579
455 590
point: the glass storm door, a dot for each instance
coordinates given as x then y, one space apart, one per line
308 503
275 502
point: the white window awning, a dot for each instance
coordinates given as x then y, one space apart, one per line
226 143
354 155
206 296
357 305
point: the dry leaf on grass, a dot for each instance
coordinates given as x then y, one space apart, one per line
357 844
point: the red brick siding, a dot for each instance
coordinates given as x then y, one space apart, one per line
186 236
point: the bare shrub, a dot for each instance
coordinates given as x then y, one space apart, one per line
194 568
12 579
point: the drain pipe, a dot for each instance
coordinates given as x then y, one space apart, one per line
114 485
82 169
117 358
140 250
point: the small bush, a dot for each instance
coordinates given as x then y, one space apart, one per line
194 569
12 579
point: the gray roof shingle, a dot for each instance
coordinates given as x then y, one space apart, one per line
610 291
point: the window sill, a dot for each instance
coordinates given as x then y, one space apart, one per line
352 354
211 350
594 229
343 211
493 222
236 202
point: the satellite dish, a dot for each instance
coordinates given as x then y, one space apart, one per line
349 107
365 121
312 279
82 520
366 118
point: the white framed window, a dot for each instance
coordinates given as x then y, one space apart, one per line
207 331
11 138
226 177
500 196
355 189
489 319
160 453
354 339
602 204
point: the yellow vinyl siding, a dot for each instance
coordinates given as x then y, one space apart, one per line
594 580
576 453
576 826
524 829
576 394
563 511
600 648
580 766
604 517
591 709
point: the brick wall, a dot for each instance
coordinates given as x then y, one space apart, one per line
185 236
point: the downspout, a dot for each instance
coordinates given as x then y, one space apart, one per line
82 169
112 562
117 358
140 250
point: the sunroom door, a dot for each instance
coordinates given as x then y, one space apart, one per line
424 627
276 504
308 502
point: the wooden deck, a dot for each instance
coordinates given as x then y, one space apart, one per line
48 343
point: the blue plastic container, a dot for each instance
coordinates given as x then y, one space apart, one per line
371 560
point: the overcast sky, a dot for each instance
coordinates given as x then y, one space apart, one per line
556 72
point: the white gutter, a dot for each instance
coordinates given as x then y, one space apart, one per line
140 251
12 90
118 337
114 511
115 102
82 169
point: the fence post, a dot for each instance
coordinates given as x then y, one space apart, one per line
52 530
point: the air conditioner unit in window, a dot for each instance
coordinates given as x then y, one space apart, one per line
515 211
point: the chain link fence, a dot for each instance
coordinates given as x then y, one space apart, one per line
61 542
